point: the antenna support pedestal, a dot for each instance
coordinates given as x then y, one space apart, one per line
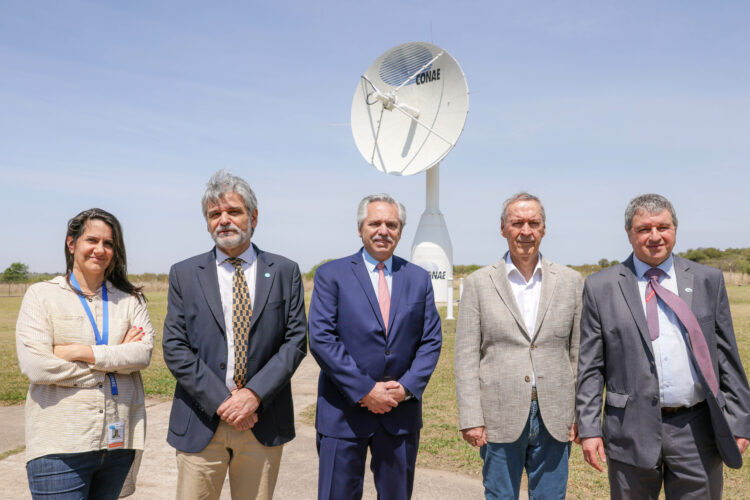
432 248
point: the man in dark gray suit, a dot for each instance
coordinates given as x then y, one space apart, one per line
656 331
233 336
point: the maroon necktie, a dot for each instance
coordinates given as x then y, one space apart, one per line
686 317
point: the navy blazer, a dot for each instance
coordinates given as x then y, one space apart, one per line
195 348
347 338
616 353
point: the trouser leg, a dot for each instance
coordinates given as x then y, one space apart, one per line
341 468
393 462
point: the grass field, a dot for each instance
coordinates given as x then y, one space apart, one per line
441 445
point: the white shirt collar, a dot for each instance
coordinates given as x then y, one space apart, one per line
248 255
510 267
641 267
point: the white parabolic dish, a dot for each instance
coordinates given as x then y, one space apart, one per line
409 108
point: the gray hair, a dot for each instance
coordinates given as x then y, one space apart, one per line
362 208
221 183
521 196
651 204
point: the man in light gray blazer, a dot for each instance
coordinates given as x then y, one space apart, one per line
656 332
516 358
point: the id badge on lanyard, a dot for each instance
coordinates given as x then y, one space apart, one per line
115 431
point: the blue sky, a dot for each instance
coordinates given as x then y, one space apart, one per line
130 106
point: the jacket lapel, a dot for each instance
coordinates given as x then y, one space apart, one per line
630 291
359 270
499 278
549 281
264 276
685 280
397 282
209 282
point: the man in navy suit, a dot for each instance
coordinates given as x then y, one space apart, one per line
375 333
233 336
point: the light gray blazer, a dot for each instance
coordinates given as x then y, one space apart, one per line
616 353
495 354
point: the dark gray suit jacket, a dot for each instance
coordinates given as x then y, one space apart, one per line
616 352
195 348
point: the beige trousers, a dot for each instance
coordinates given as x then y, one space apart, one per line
253 468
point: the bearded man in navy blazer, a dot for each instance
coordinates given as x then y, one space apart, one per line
375 333
233 336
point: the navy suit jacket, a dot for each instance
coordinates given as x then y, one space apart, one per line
347 338
195 348
616 353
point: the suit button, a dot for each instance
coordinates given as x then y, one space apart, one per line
654 400
527 378
222 365
387 353
532 346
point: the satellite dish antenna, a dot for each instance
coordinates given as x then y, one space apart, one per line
408 111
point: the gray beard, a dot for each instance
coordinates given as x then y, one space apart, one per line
230 242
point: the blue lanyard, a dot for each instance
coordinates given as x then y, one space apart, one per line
103 338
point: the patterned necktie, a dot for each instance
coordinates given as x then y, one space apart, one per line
686 317
242 314
384 297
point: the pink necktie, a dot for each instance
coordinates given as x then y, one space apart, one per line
686 317
384 297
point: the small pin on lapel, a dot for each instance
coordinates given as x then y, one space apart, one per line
689 290
267 275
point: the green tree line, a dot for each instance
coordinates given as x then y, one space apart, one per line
735 260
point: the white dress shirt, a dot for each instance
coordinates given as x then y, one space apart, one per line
527 294
673 364
225 273
374 274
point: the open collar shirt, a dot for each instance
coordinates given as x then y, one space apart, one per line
526 293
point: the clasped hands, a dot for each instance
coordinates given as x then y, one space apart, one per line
240 409
383 397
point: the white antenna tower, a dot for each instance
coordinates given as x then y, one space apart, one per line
408 111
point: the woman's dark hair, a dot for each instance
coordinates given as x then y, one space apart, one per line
116 273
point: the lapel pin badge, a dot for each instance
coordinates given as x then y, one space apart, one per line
689 290
267 275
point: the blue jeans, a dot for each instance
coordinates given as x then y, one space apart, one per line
77 476
544 458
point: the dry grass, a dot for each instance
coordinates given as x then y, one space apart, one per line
13 385
441 444
442 447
